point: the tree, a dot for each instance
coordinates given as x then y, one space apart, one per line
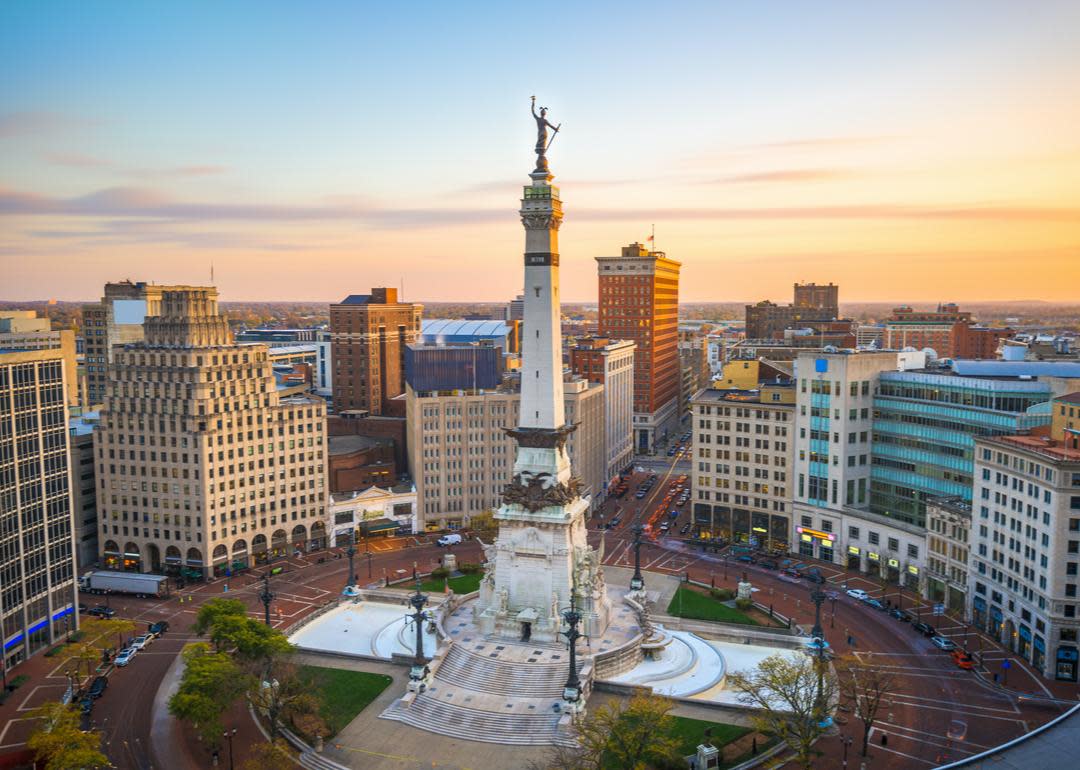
216 609
209 686
784 691
99 635
284 696
484 525
248 639
630 735
269 756
868 688
60 744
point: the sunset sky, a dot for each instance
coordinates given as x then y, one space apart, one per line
916 151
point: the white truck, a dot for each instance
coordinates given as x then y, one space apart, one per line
137 583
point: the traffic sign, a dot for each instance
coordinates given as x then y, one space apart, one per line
939 609
1006 664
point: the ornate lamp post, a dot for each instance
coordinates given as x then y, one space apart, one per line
351 552
637 582
230 734
818 647
572 690
265 596
419 672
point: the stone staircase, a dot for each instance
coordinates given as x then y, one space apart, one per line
463 668
488 699
428 713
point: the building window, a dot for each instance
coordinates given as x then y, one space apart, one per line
894 544
853 533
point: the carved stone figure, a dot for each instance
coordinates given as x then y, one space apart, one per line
534 491
542 125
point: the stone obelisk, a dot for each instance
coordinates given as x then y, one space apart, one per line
541 553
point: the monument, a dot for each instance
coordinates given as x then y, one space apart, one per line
541 555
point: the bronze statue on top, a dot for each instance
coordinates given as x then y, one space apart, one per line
542 143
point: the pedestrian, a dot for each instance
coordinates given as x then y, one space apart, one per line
884 739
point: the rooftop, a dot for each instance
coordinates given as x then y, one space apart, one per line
1039 443
740 394
979 368
343 445
1069 398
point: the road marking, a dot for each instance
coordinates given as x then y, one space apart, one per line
932 738
902 754
3 732
958 710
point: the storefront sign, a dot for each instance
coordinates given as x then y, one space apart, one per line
871 556
853 550
894 563
815 533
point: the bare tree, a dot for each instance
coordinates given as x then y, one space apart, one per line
867 688
783 690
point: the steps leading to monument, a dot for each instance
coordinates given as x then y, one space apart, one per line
463 668
429 714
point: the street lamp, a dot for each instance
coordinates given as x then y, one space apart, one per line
572 690
351 552
819 647
637 582
847 743
419 671
266 596
229 734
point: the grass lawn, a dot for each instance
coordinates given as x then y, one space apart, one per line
344 694
689 733
688 603
463 584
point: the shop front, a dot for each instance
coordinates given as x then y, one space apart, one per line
978 612
1067 658
873 563
911 578
997 624
1023 645
854 557
892 574
1038 653
814 543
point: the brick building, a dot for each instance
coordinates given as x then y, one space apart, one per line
639 301
358 462
368 334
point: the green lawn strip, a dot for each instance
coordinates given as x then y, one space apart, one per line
689 733
763 746
463 584
344 694
688 603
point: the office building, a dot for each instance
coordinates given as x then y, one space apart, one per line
948 552
811 302
610 363
870 336
1065 419
23 330
37 546
360 515
369 333
639 301
925 425
465 366
1025 548
743 454
324 364
203 468
515 308
115 320
84 488
461 458
948 331
274 338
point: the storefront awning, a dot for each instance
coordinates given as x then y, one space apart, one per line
378 525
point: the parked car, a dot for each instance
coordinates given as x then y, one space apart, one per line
768 563
102 611
814 575
86 705
858 593
159 628
943 644
924 628
140 642
83 608
963 660
685 528
97 688
900 615
124 657
874 603
746 559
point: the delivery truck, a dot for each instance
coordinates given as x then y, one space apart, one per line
136 583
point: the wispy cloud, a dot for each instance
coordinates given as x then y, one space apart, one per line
148 203
75 160
786 175
40 122
823 141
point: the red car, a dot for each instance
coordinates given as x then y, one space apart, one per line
963 660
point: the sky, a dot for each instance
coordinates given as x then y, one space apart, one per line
908 151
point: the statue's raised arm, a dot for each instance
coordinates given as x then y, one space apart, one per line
542 125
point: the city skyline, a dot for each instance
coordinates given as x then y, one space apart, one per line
895 154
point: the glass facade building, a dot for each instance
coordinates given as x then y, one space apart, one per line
925 426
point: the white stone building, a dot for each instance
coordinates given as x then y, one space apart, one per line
371 512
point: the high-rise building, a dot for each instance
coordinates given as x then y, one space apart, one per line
925 425
1025 549
812 303
921 329
639 301
84 488
610 363
23 330
37 547
453 367
744 452
515 308
369 333
202 466
115 320
948 552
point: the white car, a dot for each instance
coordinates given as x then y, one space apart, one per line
138 643
858 593
943 643
124 657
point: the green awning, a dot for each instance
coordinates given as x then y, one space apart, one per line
378 525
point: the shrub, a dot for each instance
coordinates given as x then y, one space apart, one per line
722 594
18 681
439 573
77 636
744 604
468 568
54 651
